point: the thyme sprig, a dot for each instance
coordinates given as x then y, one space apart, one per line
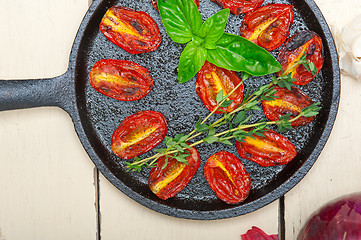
237 121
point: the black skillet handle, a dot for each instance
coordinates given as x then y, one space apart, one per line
19 94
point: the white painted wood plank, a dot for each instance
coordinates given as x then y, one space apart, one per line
123 218
46 179
337 171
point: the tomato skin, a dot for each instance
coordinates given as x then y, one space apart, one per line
120 79
268 26
289 101
139 133
304 42
133 31
167 182
239 6
227 177
155 4
271 150
211 80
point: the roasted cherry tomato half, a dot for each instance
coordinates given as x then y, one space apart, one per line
121 79
308 43
227 177
268 26
288 101
271 150
166 182
211 80
239 6
155 4
135 32
138 134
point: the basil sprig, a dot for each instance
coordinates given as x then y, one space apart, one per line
208 41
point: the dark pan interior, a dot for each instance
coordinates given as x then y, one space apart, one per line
179 103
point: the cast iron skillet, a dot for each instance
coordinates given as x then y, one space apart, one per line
96 116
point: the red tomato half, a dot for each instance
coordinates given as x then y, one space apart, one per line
135 32
239 6
271 150
138 134
155 4
289 101
121 79
167 182
227 177
305 42
211 80
268 26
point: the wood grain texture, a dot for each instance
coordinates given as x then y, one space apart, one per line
337 171
123 218
46 179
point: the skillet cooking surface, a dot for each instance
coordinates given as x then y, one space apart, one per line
179 103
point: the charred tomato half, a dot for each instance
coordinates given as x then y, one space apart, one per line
271 150
134 31
239 6
211 80
121 79
167 181
138 134
288 102
268 26
227 177
304 43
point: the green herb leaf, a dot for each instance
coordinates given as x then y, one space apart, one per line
238 54
180 18
184 145
226 142
311 110
252 106
244 121
226 103
239 135
219 96
184 138
211 131
284 126
160 150
245 76
211 139
178 136
201 127
240 117
213 28
191 61
133 168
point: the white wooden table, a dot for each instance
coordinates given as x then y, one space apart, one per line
50 189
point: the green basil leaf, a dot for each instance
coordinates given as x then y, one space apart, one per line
191 61
238 54
213 28
180 18
209 45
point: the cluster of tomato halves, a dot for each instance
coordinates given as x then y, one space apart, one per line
268 26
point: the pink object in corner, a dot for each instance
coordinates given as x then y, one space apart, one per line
257 234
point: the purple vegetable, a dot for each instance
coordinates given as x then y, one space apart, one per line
340 219
257 234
